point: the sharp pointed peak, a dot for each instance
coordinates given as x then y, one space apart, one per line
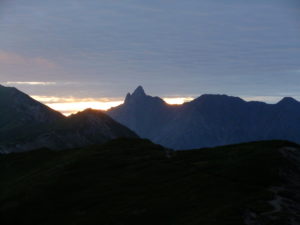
138 95
127 97
139 91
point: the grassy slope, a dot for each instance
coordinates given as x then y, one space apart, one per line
133 182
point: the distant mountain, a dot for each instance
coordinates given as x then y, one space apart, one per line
26 124
144 114
137 182
210 120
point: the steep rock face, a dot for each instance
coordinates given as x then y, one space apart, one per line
209 120
144 114
26 124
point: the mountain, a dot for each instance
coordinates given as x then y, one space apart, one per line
27 124
133 181
210 120
144 114
20 115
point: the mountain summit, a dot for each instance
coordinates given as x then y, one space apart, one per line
209 120
142 113
17 106
21 116
138 95
288 101
139 91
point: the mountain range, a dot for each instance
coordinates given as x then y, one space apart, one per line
209 120
26 124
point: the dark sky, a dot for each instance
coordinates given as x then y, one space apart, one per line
105 48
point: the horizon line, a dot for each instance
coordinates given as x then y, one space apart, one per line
71 105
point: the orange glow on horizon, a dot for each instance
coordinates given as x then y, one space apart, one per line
71 105
177 101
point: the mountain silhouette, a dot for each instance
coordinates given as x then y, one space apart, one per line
142 113
209 120
26 124
21 115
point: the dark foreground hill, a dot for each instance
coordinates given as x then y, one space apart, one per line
209 120
136 182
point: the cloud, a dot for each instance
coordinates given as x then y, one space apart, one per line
268 99
55 99
11 58
36 83
197 47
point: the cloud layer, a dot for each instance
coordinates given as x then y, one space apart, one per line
29 83
107 48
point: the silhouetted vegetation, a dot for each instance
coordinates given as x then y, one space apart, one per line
137 182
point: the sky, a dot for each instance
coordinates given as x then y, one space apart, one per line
92 52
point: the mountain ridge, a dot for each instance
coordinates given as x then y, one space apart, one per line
209 120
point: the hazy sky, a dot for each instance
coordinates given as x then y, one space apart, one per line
105 48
